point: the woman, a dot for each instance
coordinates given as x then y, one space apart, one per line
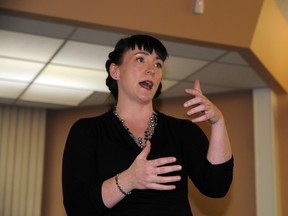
134 160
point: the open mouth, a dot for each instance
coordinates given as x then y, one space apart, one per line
146 84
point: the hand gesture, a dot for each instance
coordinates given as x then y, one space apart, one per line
145 174
200 104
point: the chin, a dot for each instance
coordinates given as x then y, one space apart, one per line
146 98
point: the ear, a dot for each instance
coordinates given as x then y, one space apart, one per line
114 71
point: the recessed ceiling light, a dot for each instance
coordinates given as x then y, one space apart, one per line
71 77
18 70
27 46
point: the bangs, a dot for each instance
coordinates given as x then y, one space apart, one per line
148 44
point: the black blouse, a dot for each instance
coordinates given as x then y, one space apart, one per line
100 147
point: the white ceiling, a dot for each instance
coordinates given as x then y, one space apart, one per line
53 65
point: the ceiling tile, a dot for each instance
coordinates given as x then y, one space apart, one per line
234 58
10 89
178 90
55 95
179 68
98 98
78 78
95 36
83 55
166 84
192 51
12 69
228 75
27 46
38 27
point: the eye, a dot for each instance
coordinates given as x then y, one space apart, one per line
158 65
139 59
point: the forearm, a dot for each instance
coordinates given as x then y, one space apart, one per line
219 150
111 194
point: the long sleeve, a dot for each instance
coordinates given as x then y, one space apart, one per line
81 187
217 179
211 180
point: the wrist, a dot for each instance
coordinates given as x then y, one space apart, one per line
121 189
216 122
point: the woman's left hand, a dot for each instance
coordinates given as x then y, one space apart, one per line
201 105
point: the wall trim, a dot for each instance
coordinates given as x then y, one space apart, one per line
265 152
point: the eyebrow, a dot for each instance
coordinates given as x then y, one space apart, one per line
147 53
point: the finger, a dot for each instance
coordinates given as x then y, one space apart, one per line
200 119
162 161
198 109
197 85
193 92
167 169
167 179
145 152
162 187
193 101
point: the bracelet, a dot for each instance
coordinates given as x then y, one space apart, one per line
120 189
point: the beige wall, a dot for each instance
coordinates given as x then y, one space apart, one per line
238 110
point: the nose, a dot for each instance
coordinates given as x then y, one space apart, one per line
151 70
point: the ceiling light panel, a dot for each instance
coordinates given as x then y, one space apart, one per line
83 55
55 95
27 46
179 68
18 70
77 78
10 89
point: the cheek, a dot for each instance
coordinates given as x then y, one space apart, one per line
160 75
158 80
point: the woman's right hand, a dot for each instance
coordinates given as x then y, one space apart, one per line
142 174
146 174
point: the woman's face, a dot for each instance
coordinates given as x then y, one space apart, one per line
139 75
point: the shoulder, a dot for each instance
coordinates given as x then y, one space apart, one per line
178 125
184 129
89 123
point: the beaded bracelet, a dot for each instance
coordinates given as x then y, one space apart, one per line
120 189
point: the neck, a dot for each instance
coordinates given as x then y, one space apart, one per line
134 111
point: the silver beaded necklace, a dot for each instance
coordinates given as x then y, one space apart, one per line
140 141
